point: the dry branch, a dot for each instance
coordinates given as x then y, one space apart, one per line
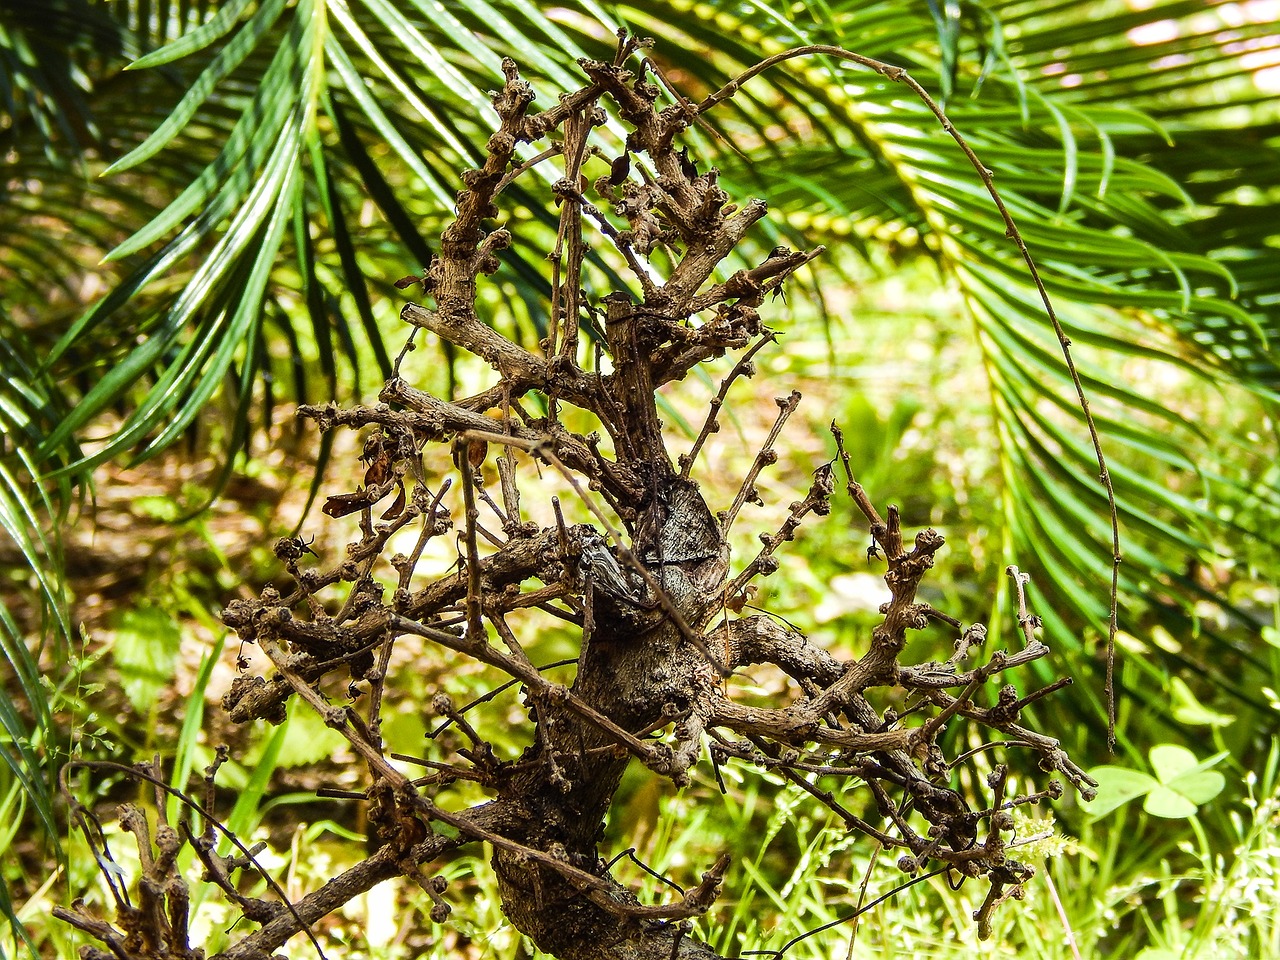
649 587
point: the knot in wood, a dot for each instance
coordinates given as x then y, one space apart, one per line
929 540
274 616
647 90
240 615
501 142
500 239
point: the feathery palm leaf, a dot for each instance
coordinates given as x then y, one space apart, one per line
1130 279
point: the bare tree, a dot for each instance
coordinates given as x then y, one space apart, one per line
647 584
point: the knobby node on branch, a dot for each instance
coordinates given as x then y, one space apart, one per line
647 584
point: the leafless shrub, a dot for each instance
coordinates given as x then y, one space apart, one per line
647 584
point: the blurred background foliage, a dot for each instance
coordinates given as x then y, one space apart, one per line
203 206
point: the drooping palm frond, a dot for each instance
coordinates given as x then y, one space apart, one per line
45 127
1127 247
27 753
313 108
1197 70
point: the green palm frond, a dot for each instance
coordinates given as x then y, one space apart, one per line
42 86
294 96
1128 249
1192 67
28 752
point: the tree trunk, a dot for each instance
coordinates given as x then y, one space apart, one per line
635 665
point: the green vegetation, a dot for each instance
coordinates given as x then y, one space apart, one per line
194 245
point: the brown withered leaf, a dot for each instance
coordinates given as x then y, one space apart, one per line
342 504
396 507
